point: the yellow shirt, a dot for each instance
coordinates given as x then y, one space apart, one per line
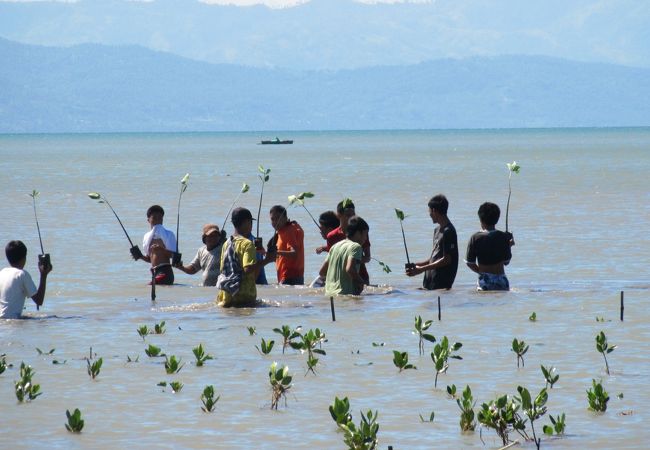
245 253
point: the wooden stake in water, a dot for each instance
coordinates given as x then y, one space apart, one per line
438 308
332 308
153 285
622 305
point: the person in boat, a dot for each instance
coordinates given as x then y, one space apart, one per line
16 284
341 269
208 257
239 266
290 247
488 251
441 267
158 246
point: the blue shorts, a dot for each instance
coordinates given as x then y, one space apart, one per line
493 282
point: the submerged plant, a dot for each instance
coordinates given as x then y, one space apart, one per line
451 390
500 415
264 177
25 389
382 264
400 215
143 331
300 200
266 347
132 360
533 317
41 352
513 167
520 348
363 436
251 331
550 376
604 348
420 327
75 422
430 419
401 360
152 351
441 354
243 190
176 386
3 363
208 400
94 368
173 365
466 404
597 397
288 335
280 381
340 411
200 355
308 342
159 328
559 425
532 408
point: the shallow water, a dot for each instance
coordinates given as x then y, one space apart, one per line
579 214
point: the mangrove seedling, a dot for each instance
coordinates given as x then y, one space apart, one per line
520 348
176 386
513 167
159 328
500 415
441 354
597 397
308 344
41 352
132 360
533 409
400 215
300 200
152 351
287 334
451 390
382 264
604 348
280 380
243 190
251 331
135 251
266 347
43 258
420 327
94 368
143 331
200 355
430 419
466 404
533 317
264 177
363 436
162 384
26 390
173 365
401 360
208 400
550 376
559 425
184 181
340 411
3 363
75 422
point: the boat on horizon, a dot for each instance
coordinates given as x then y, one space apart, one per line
276 141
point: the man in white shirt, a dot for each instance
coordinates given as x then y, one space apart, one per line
158 246
16 284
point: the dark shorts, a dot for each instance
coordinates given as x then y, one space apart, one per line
163 274
295 281
493 282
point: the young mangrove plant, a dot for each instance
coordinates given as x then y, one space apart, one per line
176 386
143 331
500 415
132 360
520 348
466 404
340 411
308 343
265 347
533 409
597 397
264 177
604 348
75 422
152 351
382 264
25 389
41 352
401 360
135 251
280 381
184 181
451 390
441 354
363 436
243 190
208 400
430 419
94 368
3 363
533 317
200 355
513 167
43 257
400 215
300 200
550 376
288 335
419 328
558 425
159 328
251 331
173 365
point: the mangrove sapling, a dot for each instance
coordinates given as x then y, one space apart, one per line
173 365
280 381
251 331
3 363
43 258
288 335
264 177
25 389
132 360
41 352
400 215
208 400
420 328
143 331
513 167
441 354
300 200
597 397
533 409
520 348
152 351
363 436
176 386
500 415
243 190
401 360
550 376
533 317
340 411
382 264
94 368
266 347
75 422
308 344
604 348
466 404
200 355
159 328
559 425
451 390
430 419
176 258
135 251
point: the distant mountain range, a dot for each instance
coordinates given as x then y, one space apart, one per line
97 88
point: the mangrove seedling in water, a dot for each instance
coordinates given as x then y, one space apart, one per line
266 347
400 215
308 344
75 422
559 425
208 400
243 190
94 368
159 328
340 411
604 348
500 415
466 404
200 355
382 264
597 397
26 390
513 167
41 352
532 408
533 317
363 436
420 327
184 181
280 380
152 351
520 348
550 376
300 200
430 419
132 360
251 331
451 390
3 363
264 177
176 386
287 334
441 354
401 360
173 365
143 331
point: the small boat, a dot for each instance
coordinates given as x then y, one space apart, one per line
276 141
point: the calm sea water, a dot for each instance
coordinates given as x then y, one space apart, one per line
579 212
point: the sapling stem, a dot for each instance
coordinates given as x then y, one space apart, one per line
400 215
33 195
244 189
300 199
184 181
622 303
513 167
264 177
101 198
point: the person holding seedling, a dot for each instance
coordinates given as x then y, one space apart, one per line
344 211
239 266
16 284
342 266
158 246
440 269
488 251
290 247
327 222
208 257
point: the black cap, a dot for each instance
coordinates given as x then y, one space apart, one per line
239 216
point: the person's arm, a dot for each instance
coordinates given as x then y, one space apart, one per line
39 297
351 270
470 256
323 270
366 252
193 267
426 265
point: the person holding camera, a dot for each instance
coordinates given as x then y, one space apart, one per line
208 257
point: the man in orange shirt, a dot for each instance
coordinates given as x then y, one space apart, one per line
289 237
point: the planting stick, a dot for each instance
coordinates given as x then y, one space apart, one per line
332 308
622 305
438 308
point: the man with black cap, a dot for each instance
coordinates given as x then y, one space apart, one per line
239 266
208 257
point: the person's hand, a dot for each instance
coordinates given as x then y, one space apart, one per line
320 250
511 238
136 253
44 268
413 271
178 264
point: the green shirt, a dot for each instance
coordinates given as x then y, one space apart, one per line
338 282
245 252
